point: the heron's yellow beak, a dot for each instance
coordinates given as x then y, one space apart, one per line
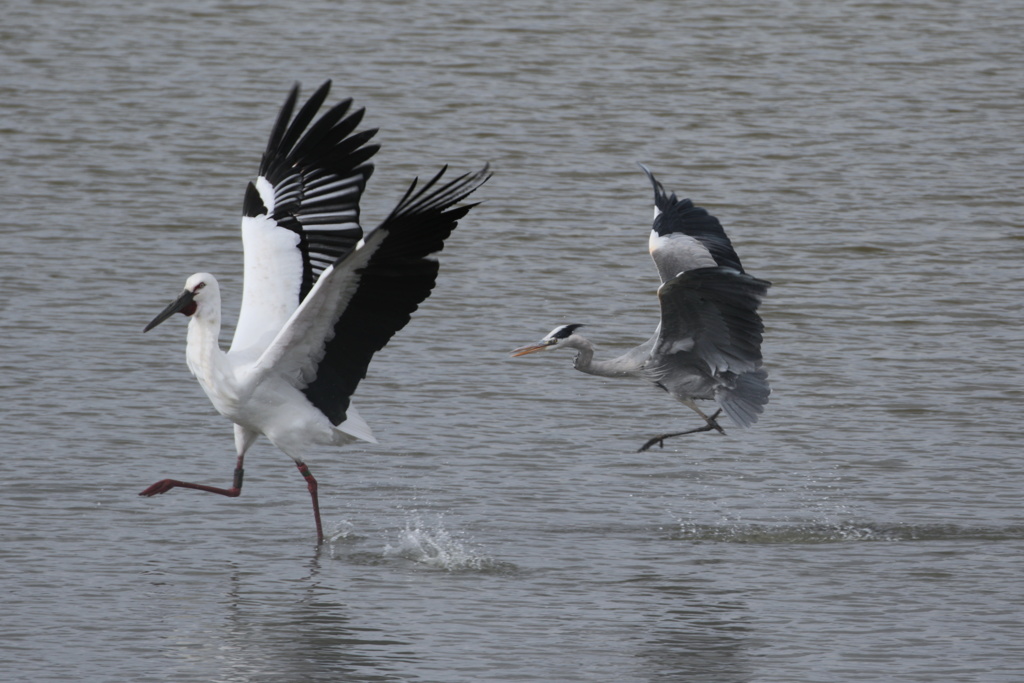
530 348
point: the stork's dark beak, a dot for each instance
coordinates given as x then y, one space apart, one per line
185 304
532 348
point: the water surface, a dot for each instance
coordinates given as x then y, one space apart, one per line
864 157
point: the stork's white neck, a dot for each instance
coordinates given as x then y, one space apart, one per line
207 362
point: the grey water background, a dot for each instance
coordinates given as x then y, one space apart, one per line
866 157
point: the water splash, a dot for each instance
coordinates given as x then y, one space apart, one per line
342 532
435 546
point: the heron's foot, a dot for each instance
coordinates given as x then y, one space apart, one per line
712 423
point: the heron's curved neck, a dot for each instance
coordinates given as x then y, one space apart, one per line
585 359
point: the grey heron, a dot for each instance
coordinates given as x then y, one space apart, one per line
319 297
708 342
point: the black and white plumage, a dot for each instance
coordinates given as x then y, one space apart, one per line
708 342
319 298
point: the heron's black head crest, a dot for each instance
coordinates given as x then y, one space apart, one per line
564 332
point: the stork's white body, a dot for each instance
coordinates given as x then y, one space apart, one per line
261 397
258 401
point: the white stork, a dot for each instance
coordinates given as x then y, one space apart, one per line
319 298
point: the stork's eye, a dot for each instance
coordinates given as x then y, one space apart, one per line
198 287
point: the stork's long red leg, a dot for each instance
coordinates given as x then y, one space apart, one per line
311 484
165 485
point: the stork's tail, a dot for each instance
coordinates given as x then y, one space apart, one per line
745 400
355 426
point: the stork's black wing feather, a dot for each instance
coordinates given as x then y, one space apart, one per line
398 276
318 177
302 212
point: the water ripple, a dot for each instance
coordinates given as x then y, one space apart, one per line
812 533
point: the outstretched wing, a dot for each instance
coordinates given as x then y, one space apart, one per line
359 303
710 315
685 236
301 214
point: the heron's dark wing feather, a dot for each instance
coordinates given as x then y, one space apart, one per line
685 236
711 314
681 217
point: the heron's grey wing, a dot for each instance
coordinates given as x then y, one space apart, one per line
685 237
710 314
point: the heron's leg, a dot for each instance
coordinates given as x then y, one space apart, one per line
311 485
712 423
243 440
